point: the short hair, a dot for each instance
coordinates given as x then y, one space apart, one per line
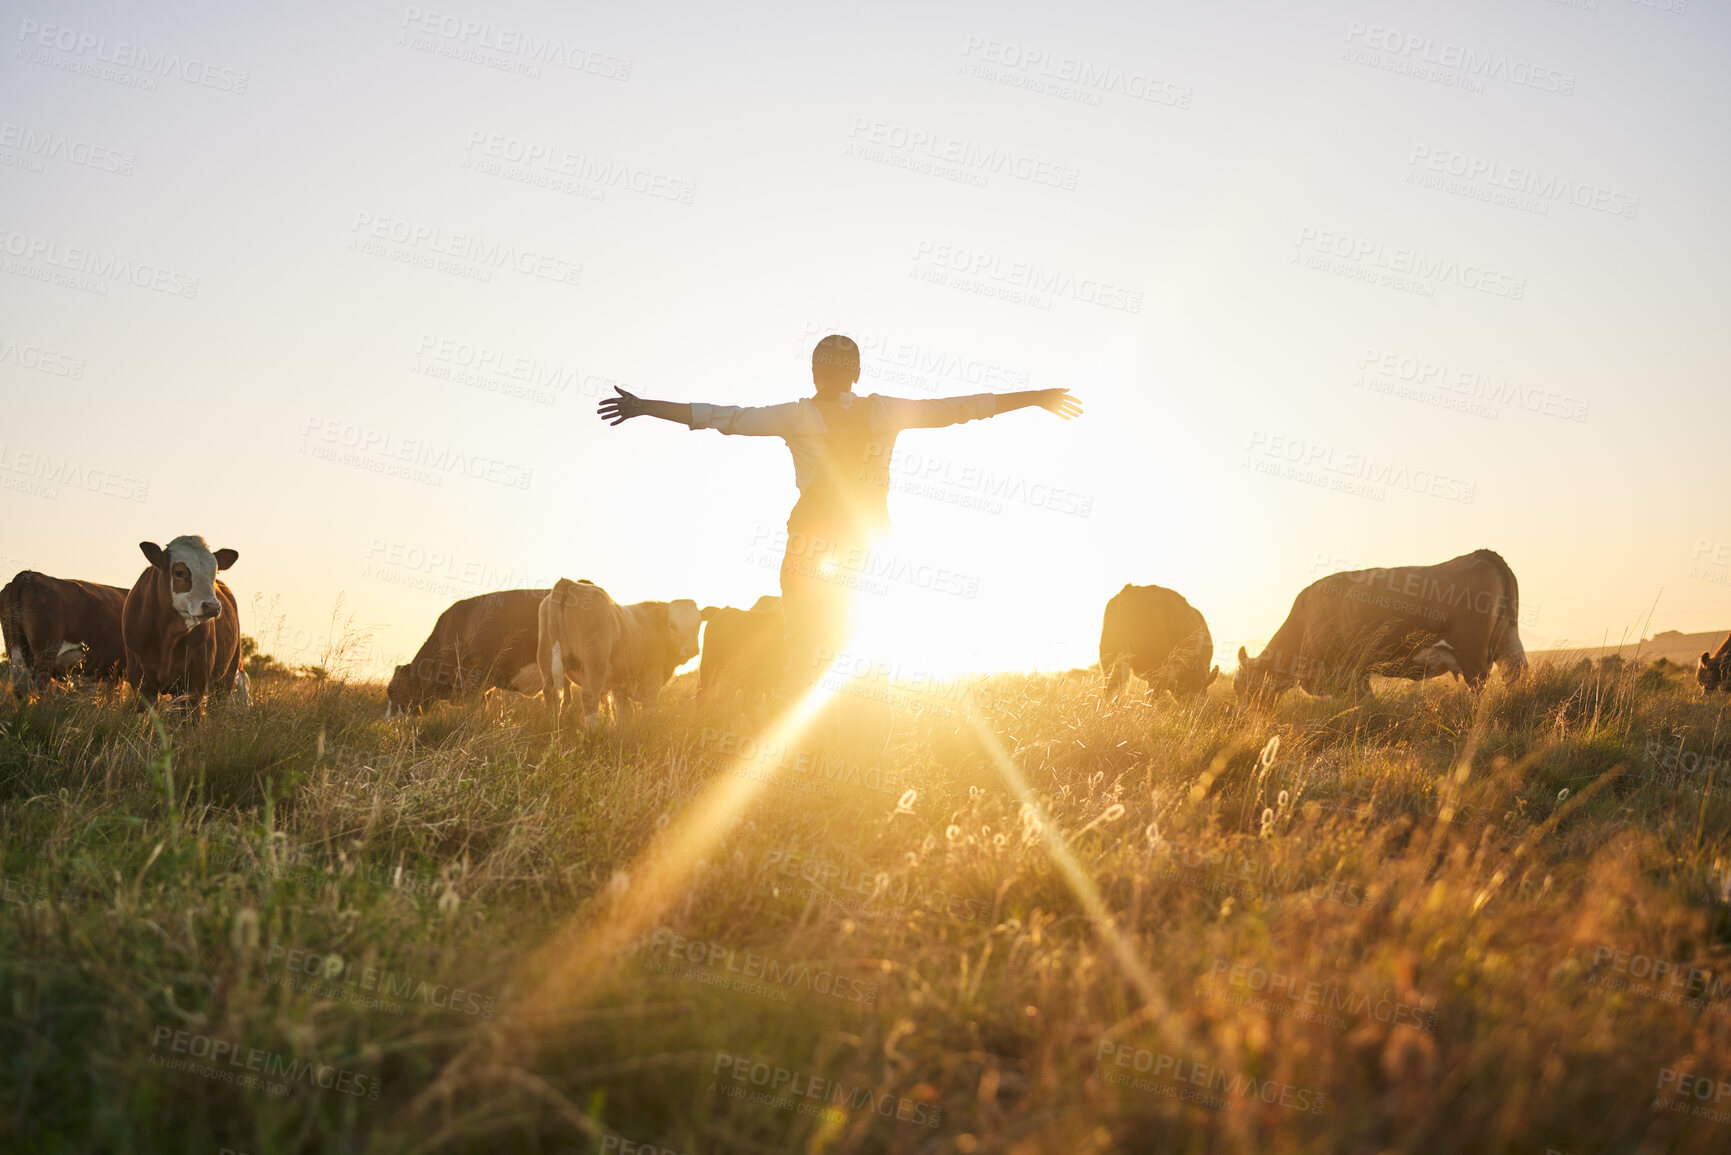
836 355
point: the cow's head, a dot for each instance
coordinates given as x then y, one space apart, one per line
188 569
404 694
1257 681
683 620
1185 671
1711 674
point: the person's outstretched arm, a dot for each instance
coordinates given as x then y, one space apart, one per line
743 420
931 413
1056 401
624 407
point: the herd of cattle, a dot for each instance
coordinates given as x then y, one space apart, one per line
177 631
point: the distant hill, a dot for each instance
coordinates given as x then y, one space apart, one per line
1677 647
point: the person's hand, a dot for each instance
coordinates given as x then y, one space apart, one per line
1060 402
624 407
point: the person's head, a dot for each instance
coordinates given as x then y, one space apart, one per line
834 365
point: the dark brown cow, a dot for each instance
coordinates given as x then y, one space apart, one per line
1714 672
54 626
181 626
1413 622
743 650
477 644
1154 633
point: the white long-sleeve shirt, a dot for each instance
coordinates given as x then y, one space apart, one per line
801 424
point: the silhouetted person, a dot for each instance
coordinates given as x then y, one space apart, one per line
841 445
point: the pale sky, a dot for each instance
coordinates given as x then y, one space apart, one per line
338 286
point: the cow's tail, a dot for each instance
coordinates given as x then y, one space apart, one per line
1505 644
17 606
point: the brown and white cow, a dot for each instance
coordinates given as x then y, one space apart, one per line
743 650
1714 671
1153 632
57 626
181 626
629 651
1458 617
479 643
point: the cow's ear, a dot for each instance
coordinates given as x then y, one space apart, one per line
1243 658
1706 658
154 554
1214 673
226 558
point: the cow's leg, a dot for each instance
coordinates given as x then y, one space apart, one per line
147 689
550 658
596 676
46 643
200 658
1116 670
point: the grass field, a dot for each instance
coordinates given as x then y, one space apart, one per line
1041 921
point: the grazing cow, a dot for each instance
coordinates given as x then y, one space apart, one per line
181 626
477 644
1413 622
743 650
55 625
1153 632
588 638
1714 672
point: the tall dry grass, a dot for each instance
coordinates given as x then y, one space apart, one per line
1393 927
